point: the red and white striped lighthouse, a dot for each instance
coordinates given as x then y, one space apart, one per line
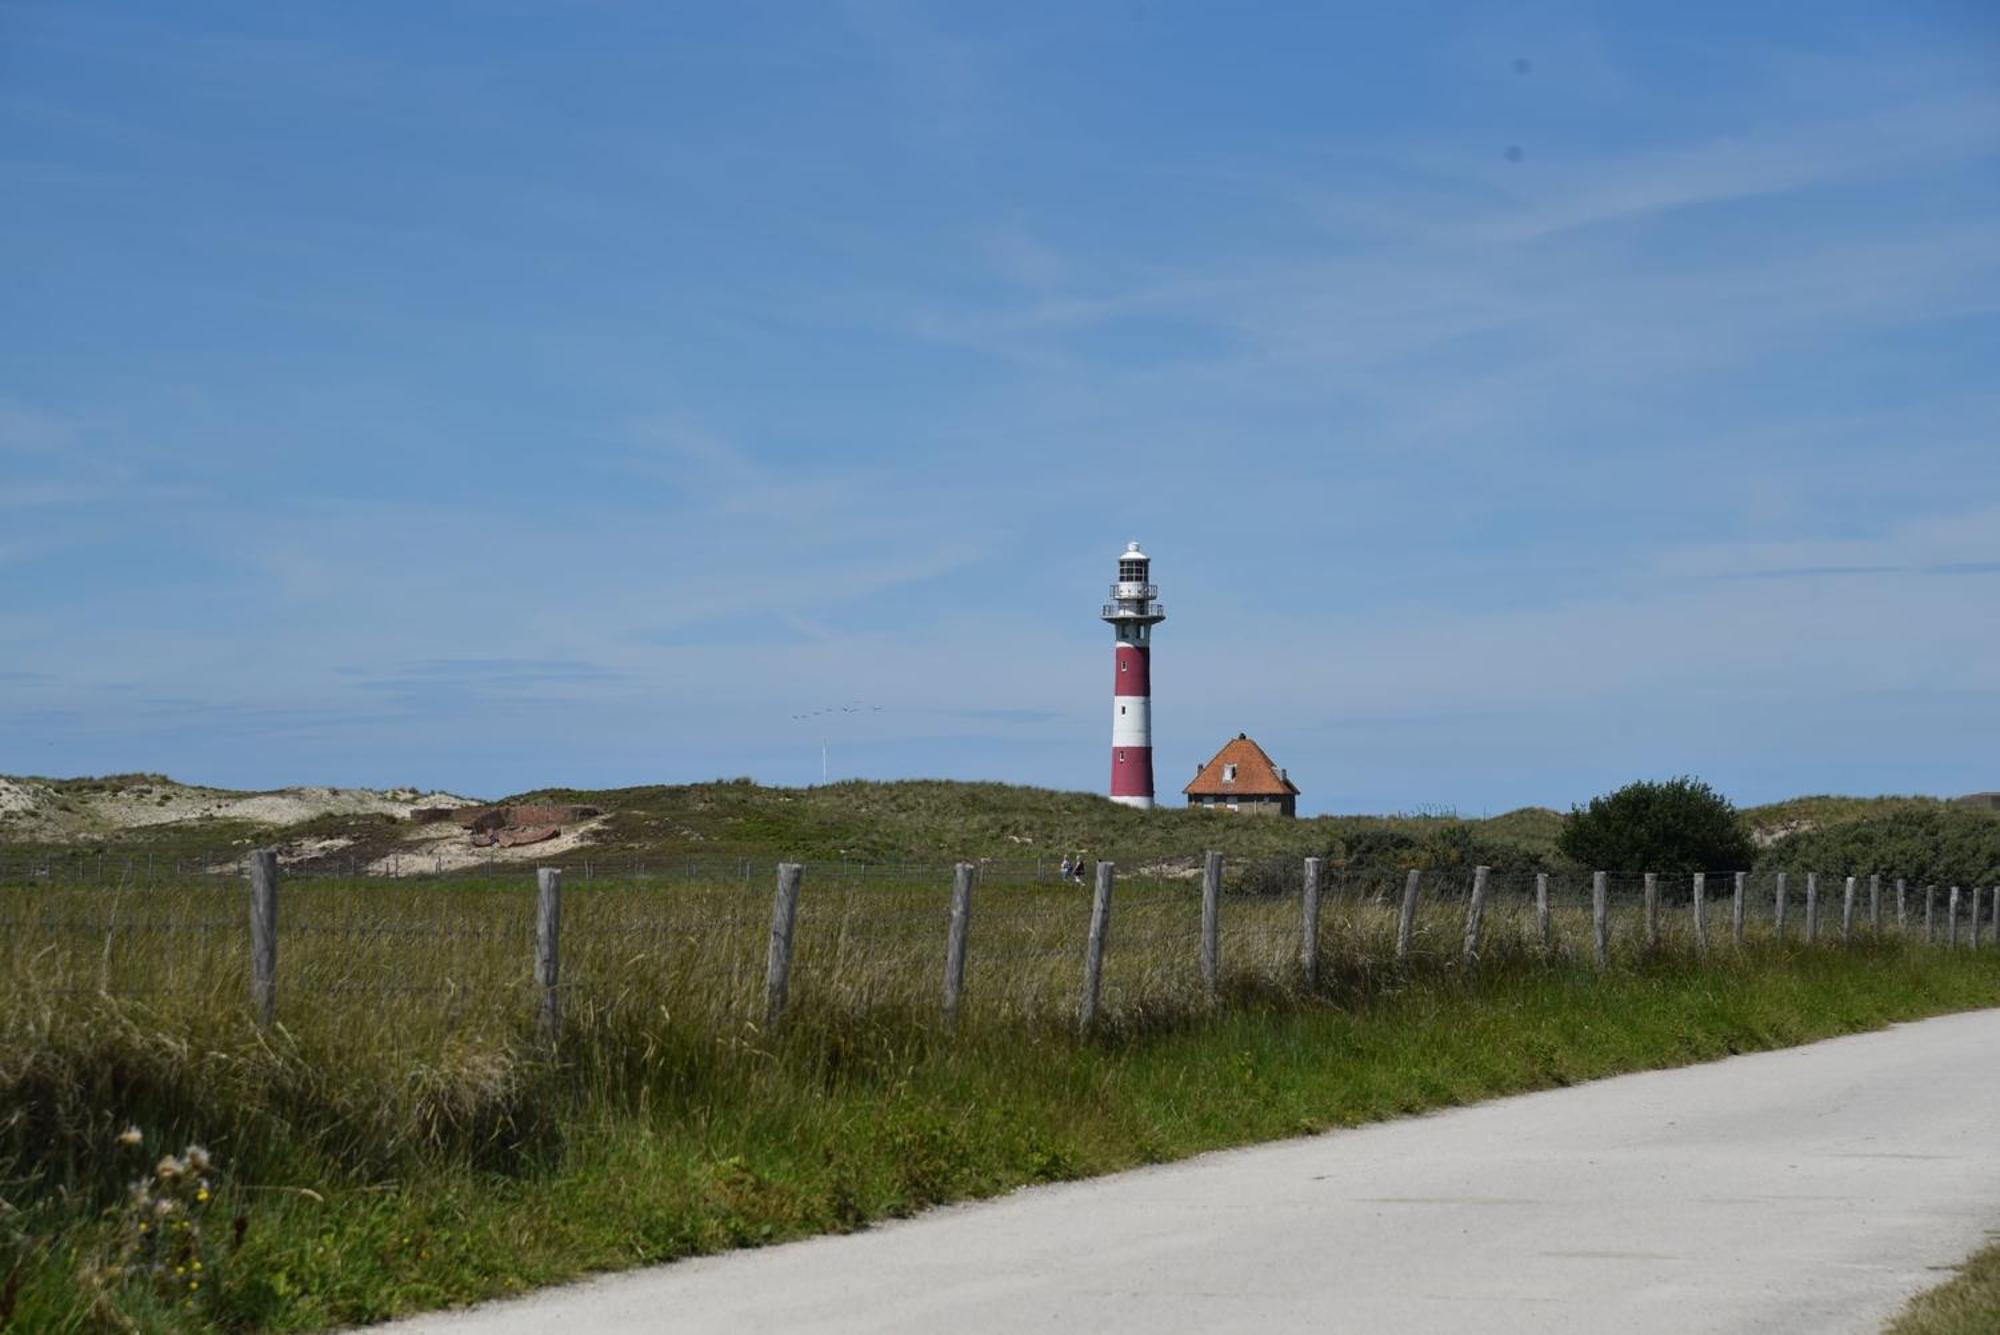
1133 613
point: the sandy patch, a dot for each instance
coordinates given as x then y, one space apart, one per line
1767 835
167 804
17 796
92 810
305 850
440 848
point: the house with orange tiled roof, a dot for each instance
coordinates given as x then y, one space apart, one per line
1242 778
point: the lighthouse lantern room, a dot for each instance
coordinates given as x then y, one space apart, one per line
1133 612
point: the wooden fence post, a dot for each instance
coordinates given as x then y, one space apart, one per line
1736 907
1812 906
548 946
1875 904
1309 926
1600 916
1211 922
1902 906
1951 920
1778 912
954 947
1993 932
1543 927
778 960
1475 910
1652 910
1847 911
1973 921
1406 924
1093 956
264 934
1700 913
1930 925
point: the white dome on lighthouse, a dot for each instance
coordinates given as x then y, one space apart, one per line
1132 553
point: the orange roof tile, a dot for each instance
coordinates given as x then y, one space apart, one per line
1256 776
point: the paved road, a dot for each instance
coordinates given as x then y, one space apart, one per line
1810 1190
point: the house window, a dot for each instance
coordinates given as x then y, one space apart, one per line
1132 572
1229 774
1121 757
1121 709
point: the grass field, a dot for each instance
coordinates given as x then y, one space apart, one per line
1969 1304
404 1137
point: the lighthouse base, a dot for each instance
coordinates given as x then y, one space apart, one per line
1142 803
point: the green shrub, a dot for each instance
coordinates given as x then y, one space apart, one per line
1445 845
1681 825
1926 845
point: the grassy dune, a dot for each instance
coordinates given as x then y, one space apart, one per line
404 1138
74 827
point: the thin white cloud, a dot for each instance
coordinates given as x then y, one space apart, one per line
1776 159
1964 542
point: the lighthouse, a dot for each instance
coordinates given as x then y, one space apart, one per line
1133 613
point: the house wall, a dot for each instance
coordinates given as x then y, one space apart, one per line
1248 806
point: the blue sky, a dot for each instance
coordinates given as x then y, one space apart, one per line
1516 399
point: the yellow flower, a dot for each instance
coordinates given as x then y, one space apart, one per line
201 1195
197 1266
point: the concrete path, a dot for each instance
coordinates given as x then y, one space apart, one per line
1810 1190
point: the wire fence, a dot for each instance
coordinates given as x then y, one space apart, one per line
704 942
99 867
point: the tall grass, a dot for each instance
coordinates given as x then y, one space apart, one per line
396 1137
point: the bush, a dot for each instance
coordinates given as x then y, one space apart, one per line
1371 849
1452 845
1928 846
1682 825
